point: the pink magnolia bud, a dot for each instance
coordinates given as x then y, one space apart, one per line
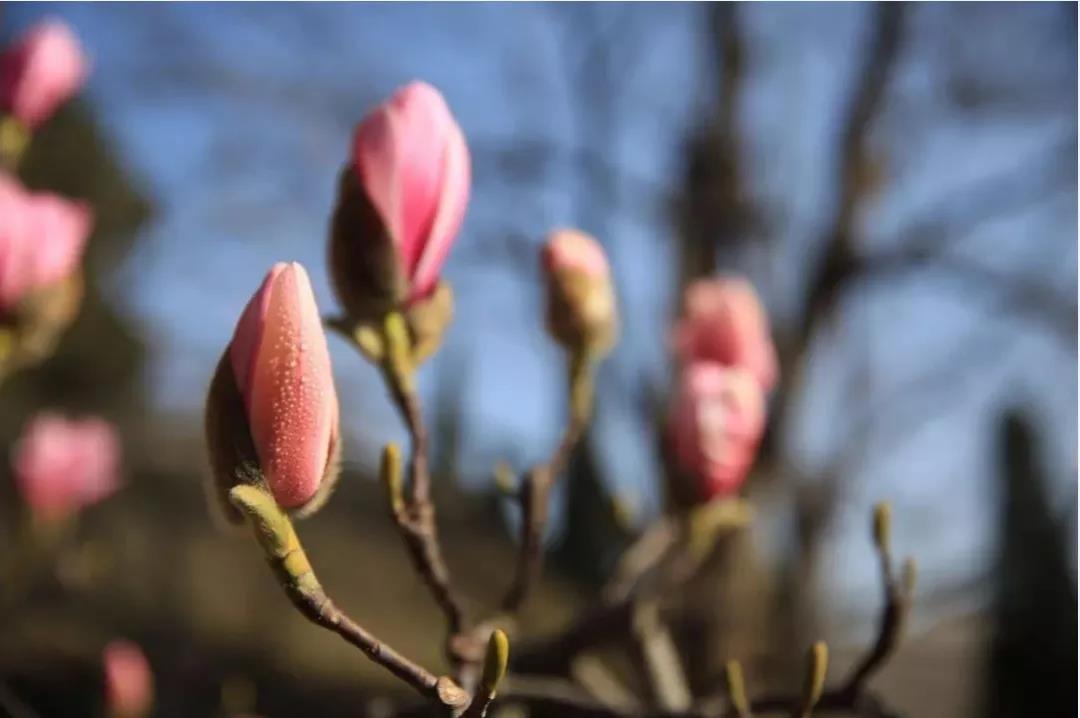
274 394
401 203
129 682
61 466
717 420
581 312
40 72
42 238
723 321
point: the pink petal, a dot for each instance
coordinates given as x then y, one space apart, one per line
570 249
129 682
61 466
724 322
717 421
249 331
42 239
413 163
292 404
423 158
39 73
448 216
374 156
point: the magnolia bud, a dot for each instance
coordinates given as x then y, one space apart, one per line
581 311
272 412
40 72
42 238
723 322
61 466
129 682
717 420
401 202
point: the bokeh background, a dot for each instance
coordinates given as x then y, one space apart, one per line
899 182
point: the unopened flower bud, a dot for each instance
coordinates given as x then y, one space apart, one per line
42 238
40 72
717 421
401 202
129 682
272 412
581 309
723 322
61 466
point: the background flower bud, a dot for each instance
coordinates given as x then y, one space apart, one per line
400 203
581 311
129 682
42 238
723 322
717 421
279 368
41 71
62 466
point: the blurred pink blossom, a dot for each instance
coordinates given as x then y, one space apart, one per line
411 159
723 322
42 238
717 421
581 307
129 682
63 465
570 249
42 70
281 364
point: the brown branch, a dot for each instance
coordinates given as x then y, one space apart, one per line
317 607
854 164
667 555
660 658
287 559
534 493
898 598
416 517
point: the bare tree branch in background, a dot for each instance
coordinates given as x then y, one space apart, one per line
823 287
714 204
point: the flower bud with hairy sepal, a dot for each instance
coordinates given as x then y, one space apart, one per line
401 202
272 412
581 308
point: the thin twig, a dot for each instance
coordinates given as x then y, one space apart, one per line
416 516
598 681
319 609
534 492
898 598
664 669
287 559
417 520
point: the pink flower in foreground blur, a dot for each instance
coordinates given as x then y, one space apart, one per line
42 238
41 71
717 421
129 682
723 321
581 310
62 466
282 370
411 160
